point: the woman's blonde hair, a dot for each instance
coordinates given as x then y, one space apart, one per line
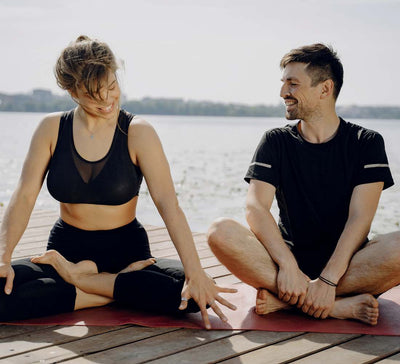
85 63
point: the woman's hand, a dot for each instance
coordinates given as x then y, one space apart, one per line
204 291
7 272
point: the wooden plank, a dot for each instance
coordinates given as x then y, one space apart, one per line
210 262
365 349
36 233
77 347
291 349
227 280
31 245
45 337
155 347
395 359
17 254
218 271
9 331
160 245
171 252
227 347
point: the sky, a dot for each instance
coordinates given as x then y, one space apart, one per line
215 50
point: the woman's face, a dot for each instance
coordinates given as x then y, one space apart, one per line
108 102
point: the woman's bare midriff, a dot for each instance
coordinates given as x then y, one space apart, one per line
98 217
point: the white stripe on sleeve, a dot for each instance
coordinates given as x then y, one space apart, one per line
261 164
377 165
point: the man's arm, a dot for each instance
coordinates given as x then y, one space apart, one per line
363 204
291 282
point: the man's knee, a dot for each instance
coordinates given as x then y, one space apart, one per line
391 239
221 232
395 237
389 244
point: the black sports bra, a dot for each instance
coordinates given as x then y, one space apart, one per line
112 180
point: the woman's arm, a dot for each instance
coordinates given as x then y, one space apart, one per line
148 153
23 199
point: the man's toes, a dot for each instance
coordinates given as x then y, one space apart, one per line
262 294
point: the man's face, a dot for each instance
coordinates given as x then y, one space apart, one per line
301 99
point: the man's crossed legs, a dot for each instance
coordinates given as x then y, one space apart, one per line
373 270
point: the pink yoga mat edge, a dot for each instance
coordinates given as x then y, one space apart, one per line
243 319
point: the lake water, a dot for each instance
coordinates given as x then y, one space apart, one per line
208 157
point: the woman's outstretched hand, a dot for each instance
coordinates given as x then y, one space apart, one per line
205 292
7 271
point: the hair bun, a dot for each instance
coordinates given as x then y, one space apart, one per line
82 38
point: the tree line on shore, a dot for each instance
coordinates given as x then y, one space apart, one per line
45 101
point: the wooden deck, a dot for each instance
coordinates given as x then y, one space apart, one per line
134 344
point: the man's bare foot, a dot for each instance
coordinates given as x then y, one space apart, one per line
138 265
266 302
363 307
67 270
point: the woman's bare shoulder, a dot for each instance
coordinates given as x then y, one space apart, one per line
139 123
48 126
50 121
141 128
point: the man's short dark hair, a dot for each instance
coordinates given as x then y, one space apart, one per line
322 64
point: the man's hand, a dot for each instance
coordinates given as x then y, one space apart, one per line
292 285
7 271
319 300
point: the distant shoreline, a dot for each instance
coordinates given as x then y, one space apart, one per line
45 101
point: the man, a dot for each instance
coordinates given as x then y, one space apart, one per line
327 175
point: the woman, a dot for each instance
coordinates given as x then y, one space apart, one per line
96 156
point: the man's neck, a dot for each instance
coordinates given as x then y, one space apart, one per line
319 130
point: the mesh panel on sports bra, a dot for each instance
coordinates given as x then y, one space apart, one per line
88 170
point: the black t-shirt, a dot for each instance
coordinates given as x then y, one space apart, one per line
314 182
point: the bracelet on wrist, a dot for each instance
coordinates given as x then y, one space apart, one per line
327 281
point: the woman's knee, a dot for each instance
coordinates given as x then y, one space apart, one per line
148 290
37 298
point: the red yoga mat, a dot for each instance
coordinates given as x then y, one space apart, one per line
243 318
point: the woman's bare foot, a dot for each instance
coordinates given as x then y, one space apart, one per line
266 303
363 307
138 265
67 270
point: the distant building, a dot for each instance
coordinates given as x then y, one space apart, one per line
40 94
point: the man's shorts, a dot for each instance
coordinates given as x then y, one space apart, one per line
313 261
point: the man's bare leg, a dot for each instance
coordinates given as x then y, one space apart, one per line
373 269
240 251
93 288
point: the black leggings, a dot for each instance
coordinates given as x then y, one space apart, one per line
39 290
